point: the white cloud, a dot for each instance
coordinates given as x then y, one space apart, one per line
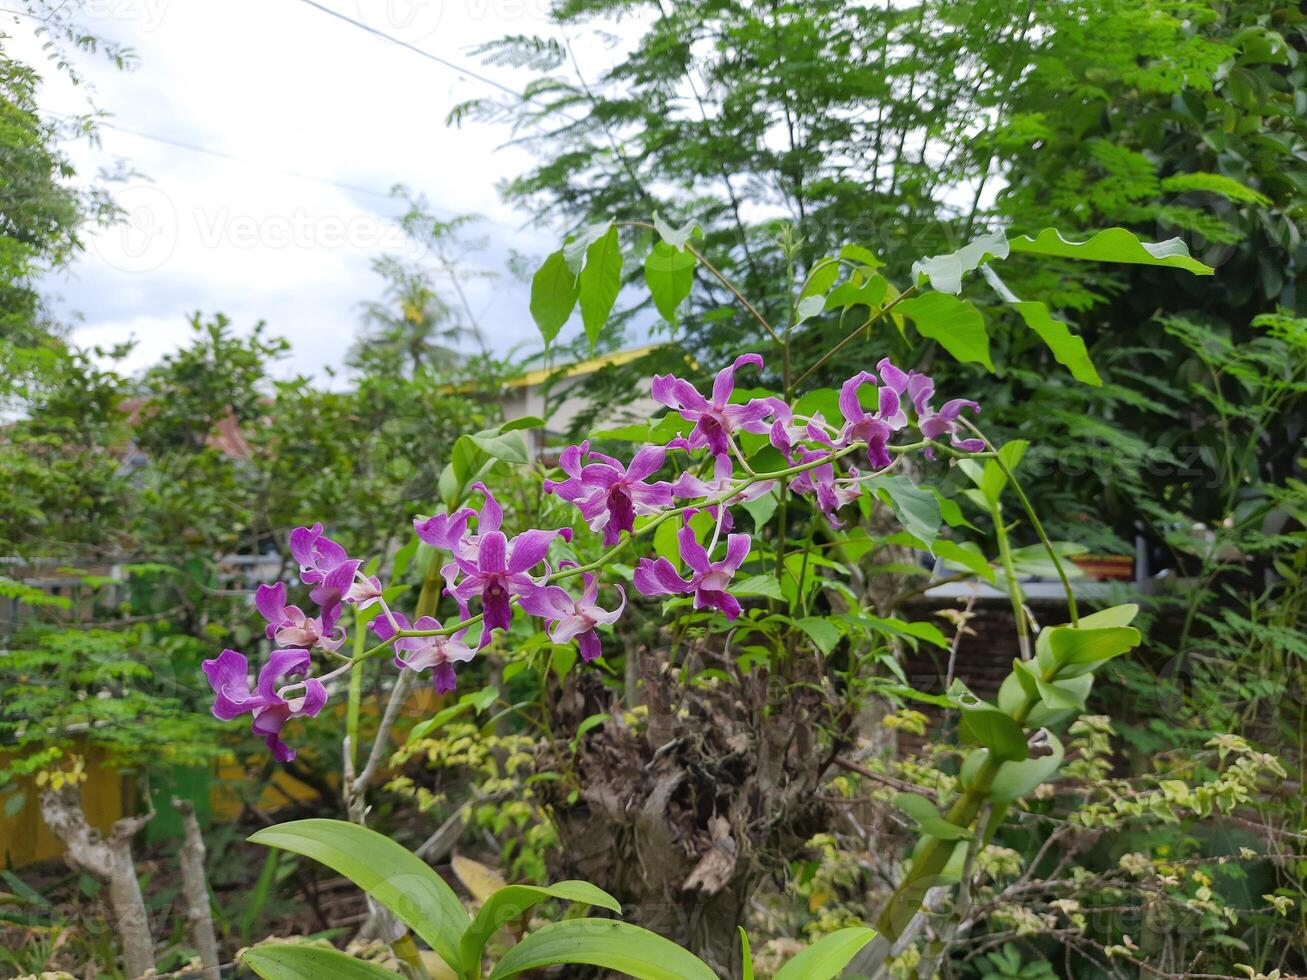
291 94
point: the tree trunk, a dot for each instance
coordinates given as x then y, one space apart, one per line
683 818
195 890
109 860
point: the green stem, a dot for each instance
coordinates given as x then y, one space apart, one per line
1013 586
355 692
1034 522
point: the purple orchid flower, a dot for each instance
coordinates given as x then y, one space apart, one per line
440 653
820 481
228 675
608 494
496 570
935 425
708 579
335 586
316 553
875 428
714 420
449 532
288 626
571 618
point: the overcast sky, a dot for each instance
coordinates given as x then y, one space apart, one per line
291 94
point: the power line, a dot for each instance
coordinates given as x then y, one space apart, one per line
462 70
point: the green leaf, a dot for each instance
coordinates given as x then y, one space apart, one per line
600 282
761 509
1016 779
476 701
617 946
1112 245
927 817
945 272
525 422
827 956
676 237
576 246
669 274
295 962
916 508
955 323
510 447
1079 651
765 585
821 631
1122 615
510 902
553 295
965 554
746 956
855 293
985 725
864 256
823 276
1060 697
1227 187
1068 349
395 877
808 307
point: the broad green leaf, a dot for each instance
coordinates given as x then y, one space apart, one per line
1068 349
577 245
1060 697
870 294
765 585
928 818
1122 615
510 447
761 509
605 943
964 554
1112 245
916 508
1078 651
828 956
678 238
746 956
864 256
510 902
600 282
911 631
985 725
1016 779
669 274
809 307
296 962
945 272
525 422
553 295
955 323
394 876
821 631
821 278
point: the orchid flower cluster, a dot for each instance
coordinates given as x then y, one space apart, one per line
496 571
